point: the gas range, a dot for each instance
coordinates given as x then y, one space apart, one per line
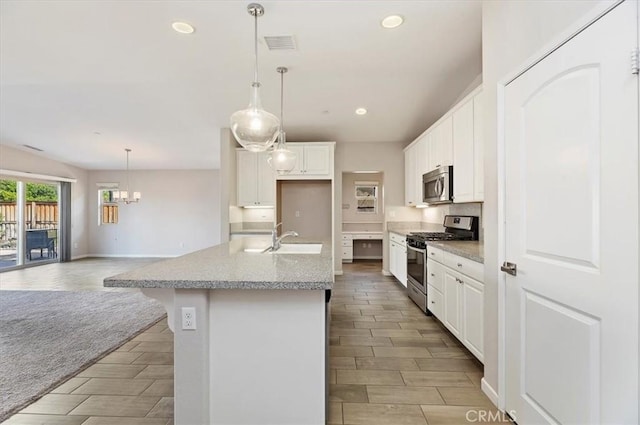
457 228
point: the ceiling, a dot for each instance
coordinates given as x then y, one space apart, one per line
83 80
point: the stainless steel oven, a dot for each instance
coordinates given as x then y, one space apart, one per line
417 275
457 227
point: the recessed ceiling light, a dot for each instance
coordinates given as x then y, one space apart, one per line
182 27
392 21
361 111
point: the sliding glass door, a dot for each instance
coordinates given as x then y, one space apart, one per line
29 223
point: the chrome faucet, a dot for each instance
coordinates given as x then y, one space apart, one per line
275 240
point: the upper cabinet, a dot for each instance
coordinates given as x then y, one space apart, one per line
463 151
455 139
313 161
468 164
441 144
256 179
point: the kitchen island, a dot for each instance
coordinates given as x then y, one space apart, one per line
257 354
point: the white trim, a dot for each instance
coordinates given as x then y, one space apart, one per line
367 257
386 273
597 12
338 273
14 173
107 185
489 391
79 257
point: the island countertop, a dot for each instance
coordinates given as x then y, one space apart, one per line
230 266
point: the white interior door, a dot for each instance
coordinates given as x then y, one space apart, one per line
571 210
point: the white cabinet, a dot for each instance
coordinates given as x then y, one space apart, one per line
478 147
313 161
256 179
441 144
347 248
455 295
463 154
468 156
398 257
410 181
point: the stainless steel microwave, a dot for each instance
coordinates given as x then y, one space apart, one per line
437 186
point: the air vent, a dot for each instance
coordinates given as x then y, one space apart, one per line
33 148
280 42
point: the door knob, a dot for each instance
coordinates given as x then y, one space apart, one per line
510 268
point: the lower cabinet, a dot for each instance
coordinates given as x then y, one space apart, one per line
347 248
457 299
398 257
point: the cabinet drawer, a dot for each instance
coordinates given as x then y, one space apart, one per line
347 254
347 236
347 242
397 238
465 266
435 254
435 301
435 274
360 236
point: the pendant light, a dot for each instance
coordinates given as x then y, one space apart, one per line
282 159
123 195
254 128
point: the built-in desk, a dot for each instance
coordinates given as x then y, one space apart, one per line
348 239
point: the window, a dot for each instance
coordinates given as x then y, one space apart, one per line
367 197
107 205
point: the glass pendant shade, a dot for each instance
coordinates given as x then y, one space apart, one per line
282 159
254 128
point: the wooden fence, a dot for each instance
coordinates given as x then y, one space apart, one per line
38 215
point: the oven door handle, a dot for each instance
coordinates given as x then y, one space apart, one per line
421 251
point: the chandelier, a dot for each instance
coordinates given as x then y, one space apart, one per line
123 195
254 128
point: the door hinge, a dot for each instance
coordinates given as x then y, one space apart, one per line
635 61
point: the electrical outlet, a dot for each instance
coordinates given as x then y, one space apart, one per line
297 213
188 318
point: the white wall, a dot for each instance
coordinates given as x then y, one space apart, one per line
512 31
179 212
387 158
18 160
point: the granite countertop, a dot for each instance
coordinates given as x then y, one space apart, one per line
473 250
229 266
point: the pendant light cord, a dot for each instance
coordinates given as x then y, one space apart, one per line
255 48
281 101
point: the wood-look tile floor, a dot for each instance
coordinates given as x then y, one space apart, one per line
389 365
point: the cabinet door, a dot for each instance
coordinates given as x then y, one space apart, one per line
317 160
478 148
452 297
433 143
299 151
266 186
393 254
402 265
472 322
247 168
409 177
463 154
446 142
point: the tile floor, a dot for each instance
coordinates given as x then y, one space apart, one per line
390 365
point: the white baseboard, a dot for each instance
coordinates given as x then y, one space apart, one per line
79 257
386 273
367 257
337 272
489 391
132 256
